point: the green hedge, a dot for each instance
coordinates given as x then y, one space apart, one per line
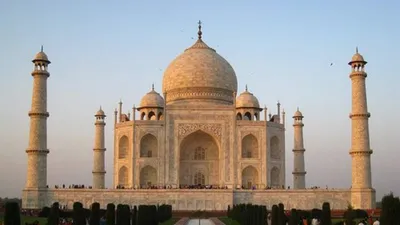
12 214
248 214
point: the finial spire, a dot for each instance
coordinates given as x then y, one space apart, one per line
298 108
246 88
199 32
357 49
41 48
152 86
100 107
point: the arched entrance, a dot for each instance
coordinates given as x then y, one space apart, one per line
249 177
123 177
275 177
148 177
199 160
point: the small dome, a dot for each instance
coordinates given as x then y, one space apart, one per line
41 56
357 58
100 113
297 114
152 100
247 100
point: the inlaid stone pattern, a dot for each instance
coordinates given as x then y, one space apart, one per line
187 128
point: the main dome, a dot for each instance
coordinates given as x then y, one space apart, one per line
199 74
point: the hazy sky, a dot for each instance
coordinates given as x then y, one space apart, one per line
102 51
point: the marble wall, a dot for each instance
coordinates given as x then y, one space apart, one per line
189 199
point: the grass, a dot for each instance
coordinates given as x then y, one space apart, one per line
171 221
228 221
28 219
43 221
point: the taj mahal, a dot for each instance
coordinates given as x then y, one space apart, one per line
201 145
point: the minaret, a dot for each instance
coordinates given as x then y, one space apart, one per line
299 173
363 195
37 150
120 110
99 151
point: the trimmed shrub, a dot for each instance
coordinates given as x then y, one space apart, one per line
281 215
294 217
316 213
44 212
54 215
78 214
12 215
390 210
134 216
110 214
326 214
95 214
275 215
349 216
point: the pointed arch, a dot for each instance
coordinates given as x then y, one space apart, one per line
249 177
250 147
199 152
151 116
275 148
123 146
143 116
148 177
123 177
160 116
239 116
275 177
247 116
148 146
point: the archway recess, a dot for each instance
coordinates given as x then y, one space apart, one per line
148 177
199 154
249 177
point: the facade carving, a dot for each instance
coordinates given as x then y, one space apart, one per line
202 135
187 128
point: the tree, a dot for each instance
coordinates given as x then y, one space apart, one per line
95 214
110 214
54 215
12 214
390 214
282 216
134 216
326 214
78 215
349 216
275 215
294 217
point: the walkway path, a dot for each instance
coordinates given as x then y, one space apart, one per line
200 222
211 221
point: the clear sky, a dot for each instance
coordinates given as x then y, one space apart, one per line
102 51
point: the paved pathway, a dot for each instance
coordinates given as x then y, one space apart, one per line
182 221
216 221
211 221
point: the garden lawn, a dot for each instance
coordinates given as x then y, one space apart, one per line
171 221
27 219
43 221
228 221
